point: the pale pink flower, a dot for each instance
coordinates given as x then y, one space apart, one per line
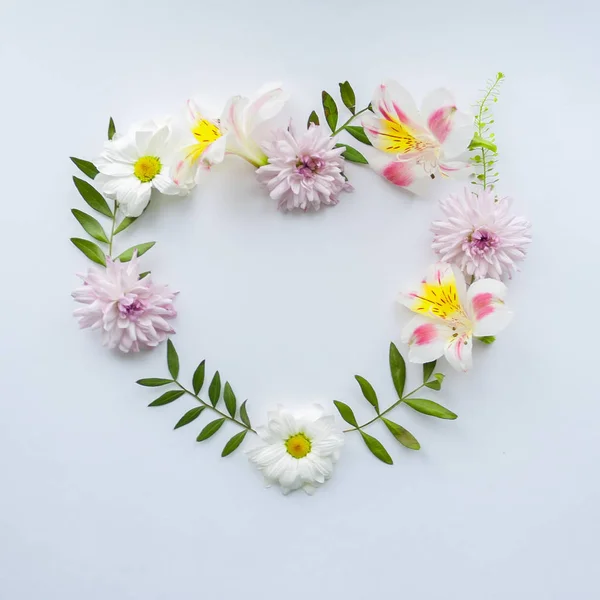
131 312
480 234
304 170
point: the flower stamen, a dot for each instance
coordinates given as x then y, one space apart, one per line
298 445
147 168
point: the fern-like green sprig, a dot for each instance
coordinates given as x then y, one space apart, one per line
485 157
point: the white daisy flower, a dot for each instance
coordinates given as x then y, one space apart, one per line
131 165
300 448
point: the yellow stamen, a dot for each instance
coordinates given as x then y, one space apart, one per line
298 445
147 168
440 300
205 132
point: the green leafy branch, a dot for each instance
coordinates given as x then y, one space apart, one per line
331 112
485 157
214 395
91 225
431 380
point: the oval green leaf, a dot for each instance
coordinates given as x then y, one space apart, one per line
431 408
428 370
92 196
190 415
434 385
313 118
90 225
91 250
154 382
346 413
234 442
398 369
111 129
214 389
86 167
330 109
359 133
142 275
352 154
348 96
210 429
368 392
124 224
230 400
405 437
172 360
376 447
198 378
244 415
140 248
167 398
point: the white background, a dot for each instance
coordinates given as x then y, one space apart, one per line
100 499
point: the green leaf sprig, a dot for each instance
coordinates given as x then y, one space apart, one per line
91 225
485 155
236 415
431 381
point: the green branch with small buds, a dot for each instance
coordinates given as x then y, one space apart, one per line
431 380
236 415
91 225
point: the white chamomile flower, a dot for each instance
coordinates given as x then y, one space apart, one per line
131 165
300 448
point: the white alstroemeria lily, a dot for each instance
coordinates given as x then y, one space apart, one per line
132 164
417 145
450 315
235 132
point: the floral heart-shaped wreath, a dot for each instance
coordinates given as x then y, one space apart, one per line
460 300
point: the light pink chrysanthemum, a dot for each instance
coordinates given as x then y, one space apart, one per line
131 312
480 234
304 170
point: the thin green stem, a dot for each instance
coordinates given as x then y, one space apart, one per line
387 410
112 231
207 405
360 112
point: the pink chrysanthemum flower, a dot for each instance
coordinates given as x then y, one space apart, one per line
480 234
304 170
131 312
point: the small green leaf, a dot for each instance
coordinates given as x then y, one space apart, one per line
346 413
330 109
348 96
368 392
172 360
210 429
230 400
190 415
142 275
86 167
91 250
376 447
124 224
214 389
92 196
198 378
141 249
244 415
90 225
398 369
154 382
439 377
487 339
358 133
428 370
434 385
313 118
405 437
234 442
352 154
111 129
167 398
428 407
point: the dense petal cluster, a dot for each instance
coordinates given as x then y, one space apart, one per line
299 450
132 313
305 170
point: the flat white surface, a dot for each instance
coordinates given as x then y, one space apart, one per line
100 499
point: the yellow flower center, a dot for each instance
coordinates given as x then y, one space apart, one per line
298 445
147 168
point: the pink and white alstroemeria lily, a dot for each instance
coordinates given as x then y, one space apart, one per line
236 132
417 145
449 315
